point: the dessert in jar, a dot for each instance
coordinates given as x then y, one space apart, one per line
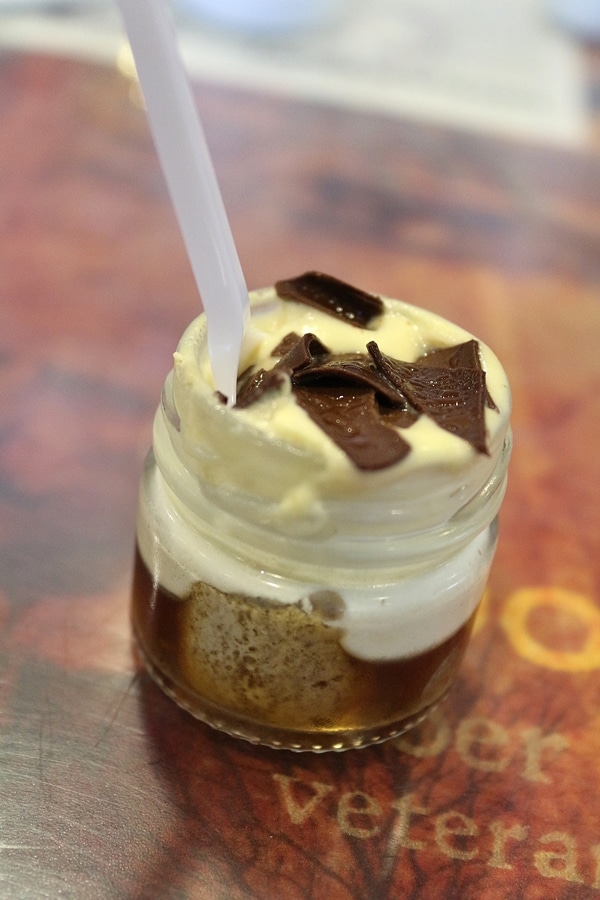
310 559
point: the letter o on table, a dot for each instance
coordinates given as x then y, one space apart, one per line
514 620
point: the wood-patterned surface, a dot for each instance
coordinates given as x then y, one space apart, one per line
107 789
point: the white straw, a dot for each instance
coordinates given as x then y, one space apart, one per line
192 183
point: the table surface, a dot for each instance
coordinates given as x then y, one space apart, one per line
108 790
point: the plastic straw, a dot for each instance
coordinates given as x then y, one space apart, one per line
193 187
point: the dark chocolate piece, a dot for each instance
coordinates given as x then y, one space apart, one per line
256 385
348 368
332 296
453 398
350 417
462 356
285 344
298 352
302 352
398 416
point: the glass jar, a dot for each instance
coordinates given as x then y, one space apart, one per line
338 627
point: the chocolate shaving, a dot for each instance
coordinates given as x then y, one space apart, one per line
348 368
332 296
285 344
453 398
462 356
298 353
301 353
398 416
257 385
350 417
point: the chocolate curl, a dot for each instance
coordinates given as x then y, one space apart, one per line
298 352
348 369
453 397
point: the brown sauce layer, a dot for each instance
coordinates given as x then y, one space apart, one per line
278 674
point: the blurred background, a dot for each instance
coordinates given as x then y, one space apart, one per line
446 152
515 67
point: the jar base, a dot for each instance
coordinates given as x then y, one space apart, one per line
277 738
